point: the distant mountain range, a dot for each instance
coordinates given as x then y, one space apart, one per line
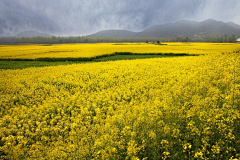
114 33
182 28
31 34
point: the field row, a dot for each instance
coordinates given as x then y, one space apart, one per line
73 51
20 64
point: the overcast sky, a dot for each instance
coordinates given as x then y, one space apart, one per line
83 17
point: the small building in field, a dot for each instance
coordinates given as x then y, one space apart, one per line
238 40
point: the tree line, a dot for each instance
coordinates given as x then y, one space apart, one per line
223 38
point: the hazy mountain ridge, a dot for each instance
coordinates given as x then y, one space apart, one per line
31 34
182 28
234 25
113 33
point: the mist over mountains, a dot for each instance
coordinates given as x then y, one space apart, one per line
31 34
182 28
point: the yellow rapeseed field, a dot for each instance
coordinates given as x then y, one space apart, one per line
161 108
93 50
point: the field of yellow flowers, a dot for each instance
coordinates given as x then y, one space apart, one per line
35 51
162 108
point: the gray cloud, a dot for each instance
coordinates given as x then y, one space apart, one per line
82 17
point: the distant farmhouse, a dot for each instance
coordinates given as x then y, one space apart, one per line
238 40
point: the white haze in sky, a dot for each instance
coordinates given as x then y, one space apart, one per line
83 17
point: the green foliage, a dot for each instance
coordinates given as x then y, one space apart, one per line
82 39
27 64
20 64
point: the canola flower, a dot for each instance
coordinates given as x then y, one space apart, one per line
171 108
34 51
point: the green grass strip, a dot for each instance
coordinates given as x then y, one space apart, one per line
41 62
